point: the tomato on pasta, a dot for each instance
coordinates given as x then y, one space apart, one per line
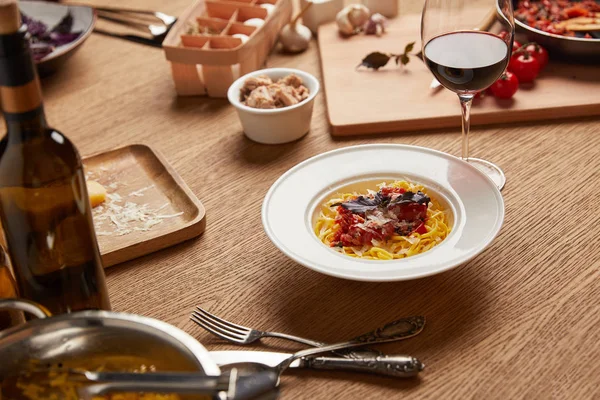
399 220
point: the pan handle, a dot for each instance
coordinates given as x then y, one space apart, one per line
27 306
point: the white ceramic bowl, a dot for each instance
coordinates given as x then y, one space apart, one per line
274 126
291 206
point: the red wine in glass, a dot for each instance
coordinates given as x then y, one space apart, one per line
465 51
466 62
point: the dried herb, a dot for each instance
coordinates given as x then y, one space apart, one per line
410 197
377 59
362 204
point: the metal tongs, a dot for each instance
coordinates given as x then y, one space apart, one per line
227 386
156 24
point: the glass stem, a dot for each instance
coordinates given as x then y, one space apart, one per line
465 106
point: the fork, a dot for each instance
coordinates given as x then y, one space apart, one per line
400 329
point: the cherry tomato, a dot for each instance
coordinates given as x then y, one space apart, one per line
516 45
539 53
506 86
524 66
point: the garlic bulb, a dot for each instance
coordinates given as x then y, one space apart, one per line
295 38
352 18
358 14
344 25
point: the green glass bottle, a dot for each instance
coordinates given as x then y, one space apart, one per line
44 205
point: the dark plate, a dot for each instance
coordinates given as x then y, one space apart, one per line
84 19
568 48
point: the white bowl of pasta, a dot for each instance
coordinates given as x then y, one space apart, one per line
382 212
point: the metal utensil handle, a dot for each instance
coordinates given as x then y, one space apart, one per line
409 326
202 386
27 306
393 366
389 333
252 386
234 388
413 325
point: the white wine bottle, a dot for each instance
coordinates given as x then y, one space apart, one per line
44 205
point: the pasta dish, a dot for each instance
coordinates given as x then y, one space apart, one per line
398 220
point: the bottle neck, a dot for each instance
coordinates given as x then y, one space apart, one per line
20 91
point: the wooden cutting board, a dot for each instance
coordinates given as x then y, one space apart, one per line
399 99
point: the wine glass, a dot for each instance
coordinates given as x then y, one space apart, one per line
467 45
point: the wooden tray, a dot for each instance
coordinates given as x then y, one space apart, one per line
399 99
136 174
207 64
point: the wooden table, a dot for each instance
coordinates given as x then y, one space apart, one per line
522 320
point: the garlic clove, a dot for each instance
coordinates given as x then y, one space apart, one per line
343 23
376 25
295 38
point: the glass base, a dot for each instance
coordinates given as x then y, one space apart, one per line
491 170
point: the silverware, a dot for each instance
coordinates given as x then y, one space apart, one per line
134 19
164 18
400 329
381 365
406 366
228 386
225 386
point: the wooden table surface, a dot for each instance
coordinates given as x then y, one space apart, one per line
522 320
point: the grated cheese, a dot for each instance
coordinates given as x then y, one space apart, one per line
140 193
119 216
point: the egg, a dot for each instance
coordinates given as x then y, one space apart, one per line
257 22
242 37
269 7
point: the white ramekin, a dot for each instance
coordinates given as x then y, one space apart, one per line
280 125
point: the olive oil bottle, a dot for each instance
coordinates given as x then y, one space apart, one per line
44 205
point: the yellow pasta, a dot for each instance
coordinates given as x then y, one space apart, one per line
436 224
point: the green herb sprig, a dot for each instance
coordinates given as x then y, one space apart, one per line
378 59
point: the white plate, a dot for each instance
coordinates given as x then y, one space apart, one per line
293 202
